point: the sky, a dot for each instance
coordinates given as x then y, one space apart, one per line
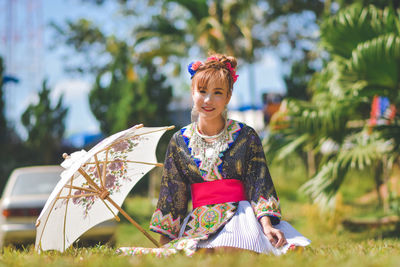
48 63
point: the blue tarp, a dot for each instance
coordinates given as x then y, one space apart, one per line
80 140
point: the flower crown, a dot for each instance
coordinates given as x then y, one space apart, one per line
194 66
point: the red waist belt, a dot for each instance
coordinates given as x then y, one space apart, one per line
216 192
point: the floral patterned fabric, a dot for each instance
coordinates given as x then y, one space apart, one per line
266 207
244 160
115 173
208 219
165 225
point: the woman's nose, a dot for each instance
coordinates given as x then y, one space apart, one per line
207 98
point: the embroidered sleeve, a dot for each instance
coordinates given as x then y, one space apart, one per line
174 194
258 183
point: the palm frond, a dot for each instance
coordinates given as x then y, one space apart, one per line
359 151
356 24
377 63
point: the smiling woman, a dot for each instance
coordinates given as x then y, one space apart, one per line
220 164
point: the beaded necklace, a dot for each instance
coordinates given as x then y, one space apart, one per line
208 148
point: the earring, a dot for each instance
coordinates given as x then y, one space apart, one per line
225 113
194 114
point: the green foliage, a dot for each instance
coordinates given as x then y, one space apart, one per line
219 26
126 100
364 46
298 79
342 33
128 87
359 151
284 7
45 126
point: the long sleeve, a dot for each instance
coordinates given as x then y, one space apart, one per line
258 183
174 195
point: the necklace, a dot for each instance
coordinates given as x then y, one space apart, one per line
209 136
208 151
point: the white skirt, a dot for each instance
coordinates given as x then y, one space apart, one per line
245 232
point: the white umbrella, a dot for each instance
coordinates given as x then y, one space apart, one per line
89 194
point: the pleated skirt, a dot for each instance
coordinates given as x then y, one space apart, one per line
245 232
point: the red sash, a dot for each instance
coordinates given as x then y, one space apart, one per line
216 192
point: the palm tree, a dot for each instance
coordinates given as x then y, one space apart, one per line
364 49
219 26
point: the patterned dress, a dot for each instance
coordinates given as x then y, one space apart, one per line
243 160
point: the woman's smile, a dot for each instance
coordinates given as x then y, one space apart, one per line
208 109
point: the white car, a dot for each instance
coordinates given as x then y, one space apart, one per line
24 197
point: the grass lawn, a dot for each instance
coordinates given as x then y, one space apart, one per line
332 245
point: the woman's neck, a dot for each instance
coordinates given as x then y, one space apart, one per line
211 127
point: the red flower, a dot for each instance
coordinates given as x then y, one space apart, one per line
196 65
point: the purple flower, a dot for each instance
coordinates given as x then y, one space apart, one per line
89 198
121 146
114 166
110 180
96 173
77 200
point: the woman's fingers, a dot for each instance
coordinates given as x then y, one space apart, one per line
281 239
275 236
271 238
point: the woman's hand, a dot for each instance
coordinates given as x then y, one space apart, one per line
275 236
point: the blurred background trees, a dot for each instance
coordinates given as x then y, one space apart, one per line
337 55
332 131
45 126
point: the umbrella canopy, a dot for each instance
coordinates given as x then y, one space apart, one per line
95 184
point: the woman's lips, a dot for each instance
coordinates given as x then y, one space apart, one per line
207 109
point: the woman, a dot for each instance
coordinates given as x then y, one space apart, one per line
220 164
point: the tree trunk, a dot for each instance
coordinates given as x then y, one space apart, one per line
378 182
311 163
386 170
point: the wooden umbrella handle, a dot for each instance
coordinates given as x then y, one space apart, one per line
91 182
126 215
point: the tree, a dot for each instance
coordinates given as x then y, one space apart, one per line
128 88
9 140
127 100
220 26
364 49
3 122
45 126
292 25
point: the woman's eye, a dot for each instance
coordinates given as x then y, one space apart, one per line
218 93
202 91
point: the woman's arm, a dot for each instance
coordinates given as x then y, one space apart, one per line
275 236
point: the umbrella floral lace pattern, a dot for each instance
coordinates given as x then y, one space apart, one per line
114 175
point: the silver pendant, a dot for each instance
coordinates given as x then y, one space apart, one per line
209 152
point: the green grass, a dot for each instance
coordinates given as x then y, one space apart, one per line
332 245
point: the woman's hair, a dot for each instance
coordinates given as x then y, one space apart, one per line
216 67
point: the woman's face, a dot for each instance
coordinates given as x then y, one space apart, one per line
210 100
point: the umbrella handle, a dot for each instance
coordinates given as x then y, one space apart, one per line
126 215
106 196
